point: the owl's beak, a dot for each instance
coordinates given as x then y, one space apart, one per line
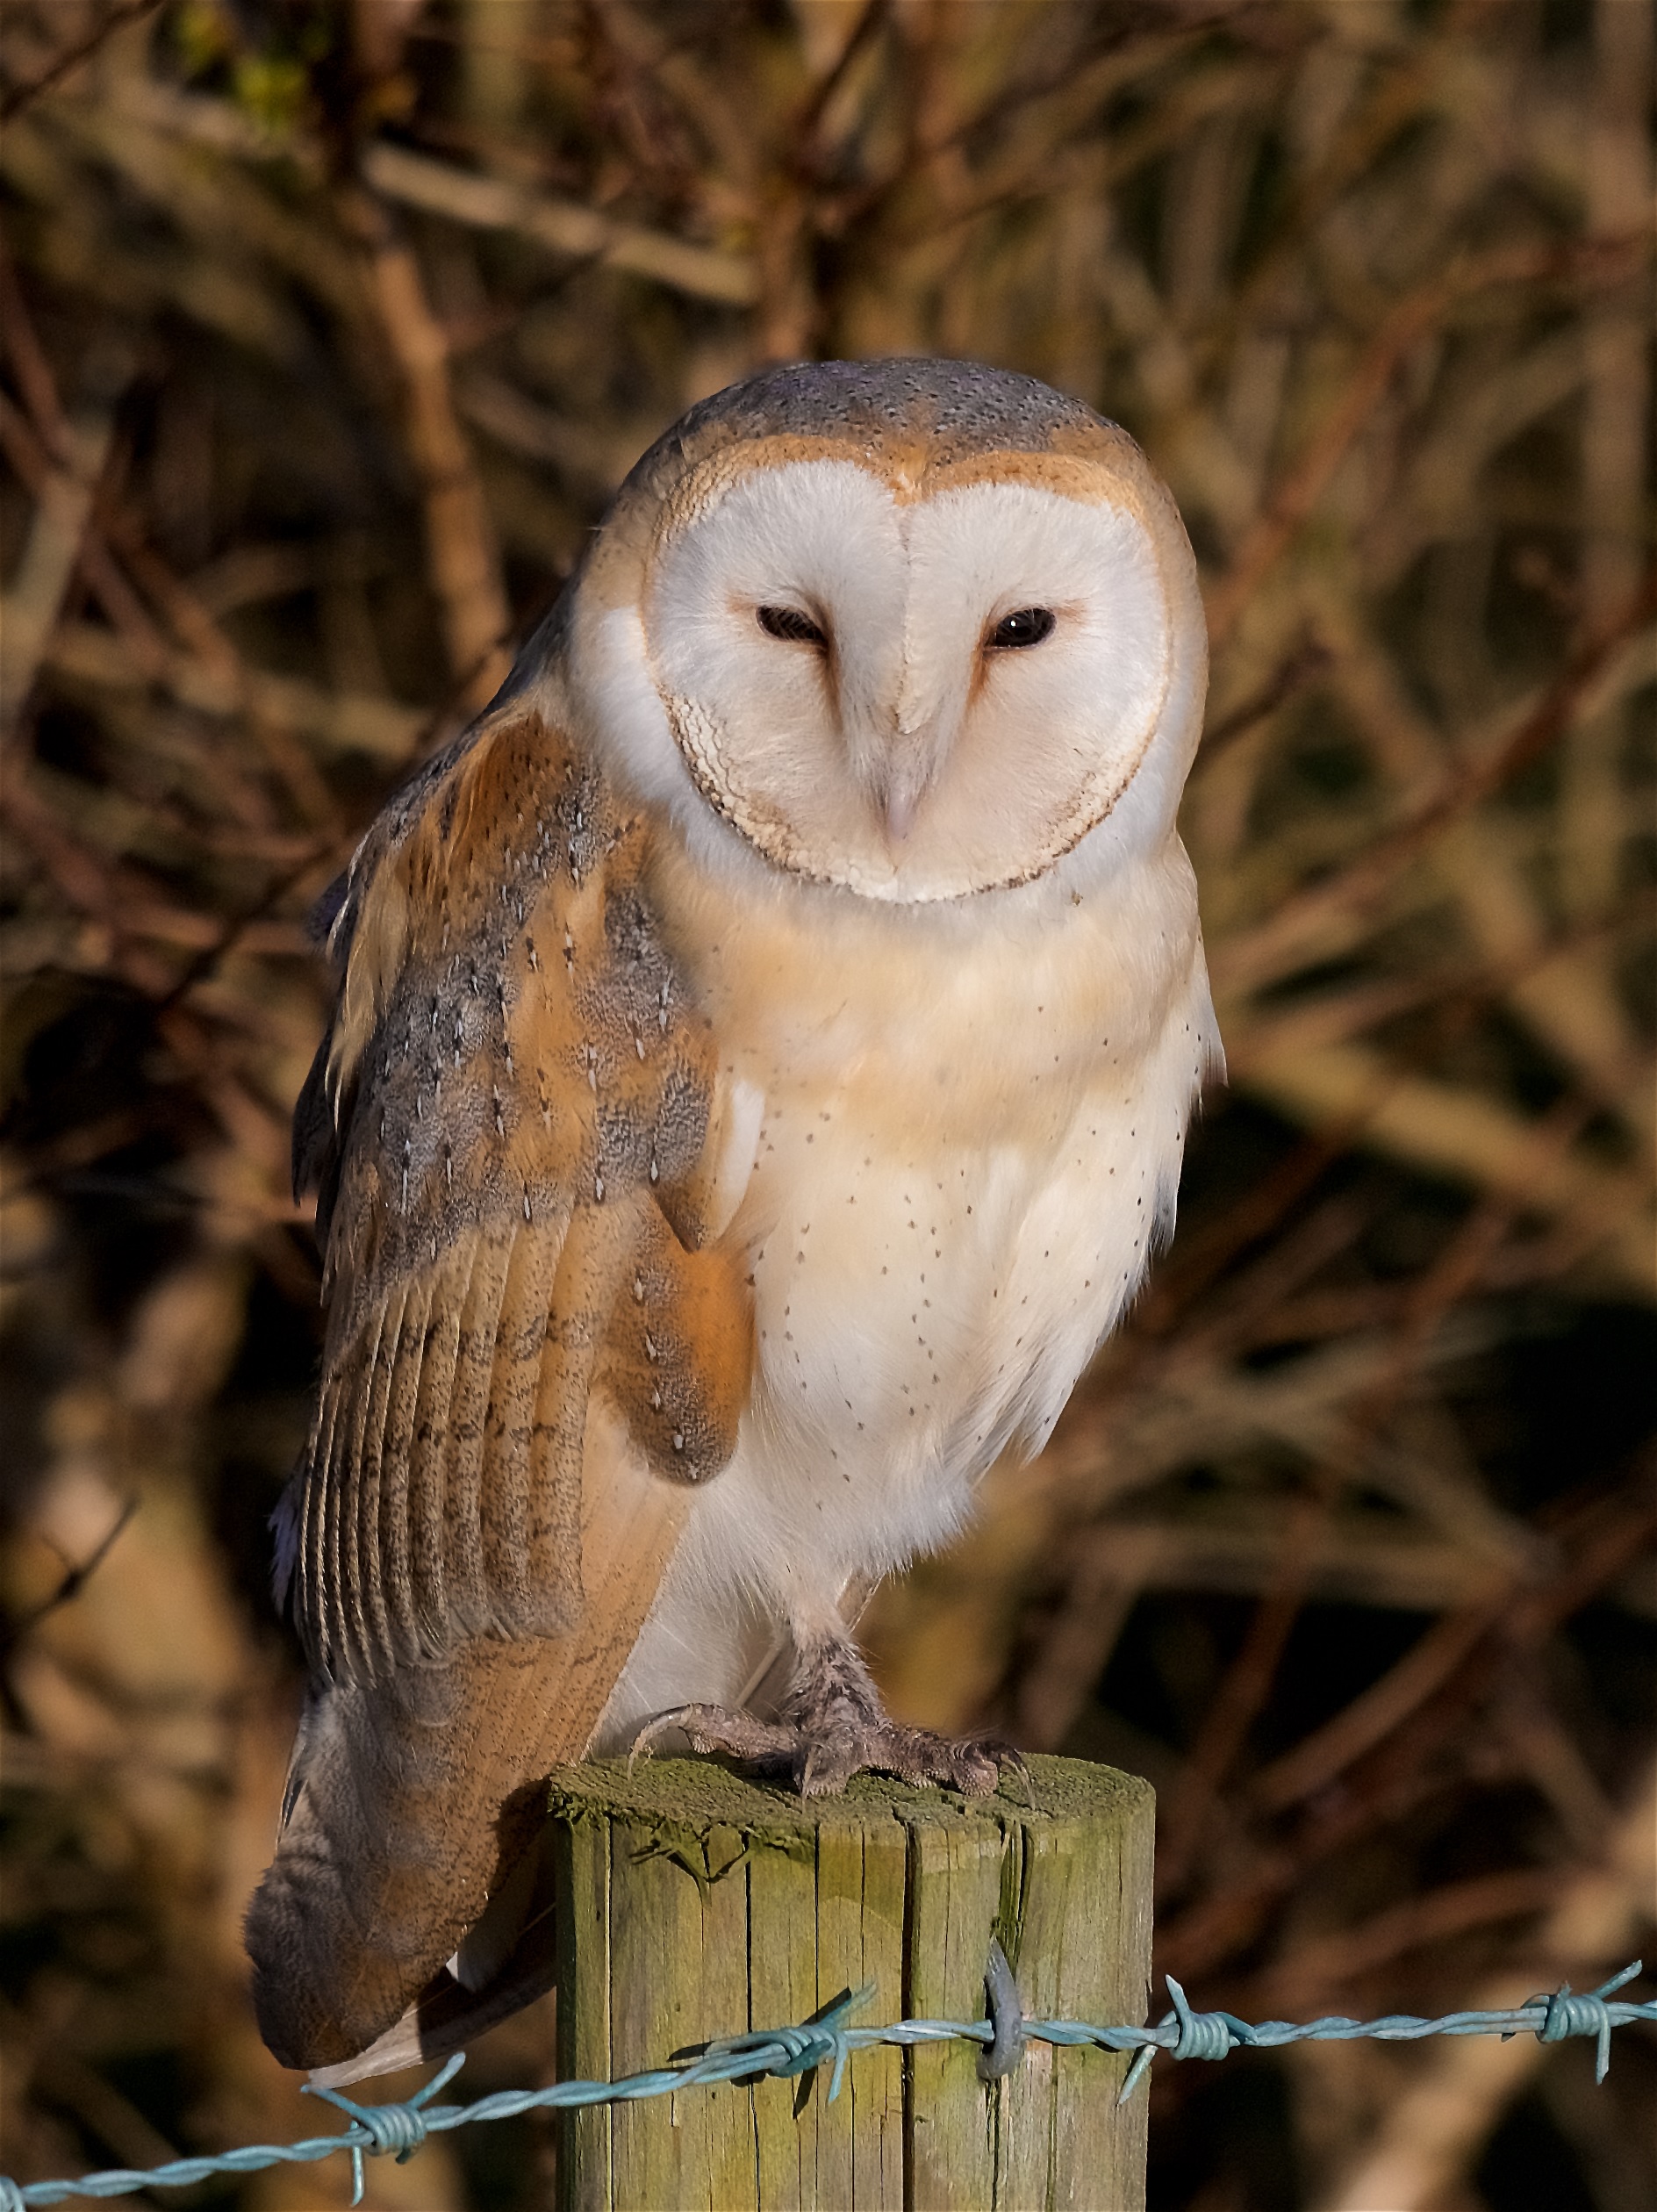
897 768
900 807
910 770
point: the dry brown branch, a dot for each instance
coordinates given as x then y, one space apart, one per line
1301 1979
376 728
1267 949
461 554
1404 328
1397 1776
30 366
1353 1090
1292 675
124 12
1247 1684
1313 1764
489 203
40 583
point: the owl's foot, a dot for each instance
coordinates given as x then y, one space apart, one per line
834 1726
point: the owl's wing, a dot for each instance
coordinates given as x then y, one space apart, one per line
520 1146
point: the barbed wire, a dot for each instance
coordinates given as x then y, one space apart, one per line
400 2129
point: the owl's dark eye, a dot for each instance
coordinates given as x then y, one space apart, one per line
1027 627
788 622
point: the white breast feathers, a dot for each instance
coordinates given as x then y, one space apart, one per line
962 1167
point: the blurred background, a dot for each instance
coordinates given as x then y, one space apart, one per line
328 329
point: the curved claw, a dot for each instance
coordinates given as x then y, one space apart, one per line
644 1744
1009 1755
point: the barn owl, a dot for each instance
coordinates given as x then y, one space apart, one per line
759 1072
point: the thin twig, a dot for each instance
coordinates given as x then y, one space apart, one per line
1307 662
1262 952
73 1581
1404 329
125 12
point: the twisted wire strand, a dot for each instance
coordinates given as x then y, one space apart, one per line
399 2129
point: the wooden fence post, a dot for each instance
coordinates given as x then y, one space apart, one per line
694 1903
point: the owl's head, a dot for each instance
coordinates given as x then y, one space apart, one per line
916 629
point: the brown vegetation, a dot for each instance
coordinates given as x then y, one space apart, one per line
328 329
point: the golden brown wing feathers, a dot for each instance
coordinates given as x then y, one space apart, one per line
513 1181
524 1097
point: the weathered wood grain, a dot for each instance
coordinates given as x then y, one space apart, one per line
694 1904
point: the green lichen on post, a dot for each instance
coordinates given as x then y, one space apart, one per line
695 1903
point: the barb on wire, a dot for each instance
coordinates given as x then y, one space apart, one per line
402 2128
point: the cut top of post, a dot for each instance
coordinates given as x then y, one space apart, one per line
695 1795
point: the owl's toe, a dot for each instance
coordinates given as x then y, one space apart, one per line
769 1745
971 1764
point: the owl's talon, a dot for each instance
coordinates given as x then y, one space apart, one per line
1009 1755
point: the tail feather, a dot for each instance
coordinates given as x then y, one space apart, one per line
409 1802
451 2010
